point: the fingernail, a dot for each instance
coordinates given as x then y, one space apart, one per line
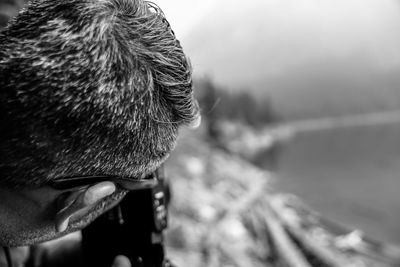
121 261
62 227
99 191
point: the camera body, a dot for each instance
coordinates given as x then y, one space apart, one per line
134 228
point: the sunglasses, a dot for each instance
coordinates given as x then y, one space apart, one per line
131 184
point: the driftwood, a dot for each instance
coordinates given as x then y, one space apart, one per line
301 237
225 213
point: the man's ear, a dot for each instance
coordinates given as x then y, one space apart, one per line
196 122
78 202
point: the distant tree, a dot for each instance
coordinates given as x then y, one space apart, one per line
219 103
206 94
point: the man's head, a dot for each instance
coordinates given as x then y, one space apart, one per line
87 87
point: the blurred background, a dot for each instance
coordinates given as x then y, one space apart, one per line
308 90
283 61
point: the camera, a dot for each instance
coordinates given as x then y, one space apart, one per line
133 228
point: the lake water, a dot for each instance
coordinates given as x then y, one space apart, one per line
351 176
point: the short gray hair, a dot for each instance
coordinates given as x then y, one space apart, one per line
90 87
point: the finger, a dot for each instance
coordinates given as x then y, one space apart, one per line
80 201
121 261
97 192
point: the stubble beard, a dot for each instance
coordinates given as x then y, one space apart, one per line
47 232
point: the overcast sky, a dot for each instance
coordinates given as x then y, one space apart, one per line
292 31
299 52
184 14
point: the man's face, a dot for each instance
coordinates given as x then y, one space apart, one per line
84 95
30 216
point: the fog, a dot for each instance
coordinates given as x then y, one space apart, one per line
283 49
313 58
283 33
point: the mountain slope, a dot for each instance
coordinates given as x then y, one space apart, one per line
305 54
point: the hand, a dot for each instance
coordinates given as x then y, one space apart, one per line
121 261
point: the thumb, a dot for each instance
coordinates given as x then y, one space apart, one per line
121 261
